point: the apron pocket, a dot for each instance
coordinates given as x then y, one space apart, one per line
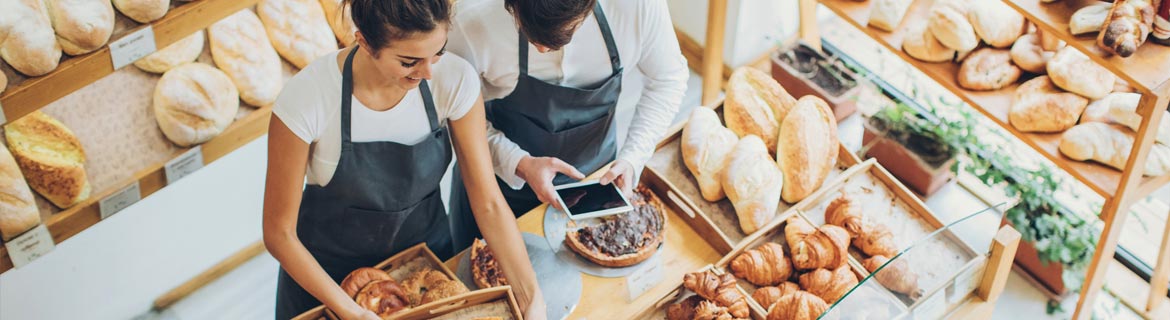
364 233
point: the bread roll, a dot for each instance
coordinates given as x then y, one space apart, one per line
1038 106
82 26
1121 108
51 158
996 23
242 50
31 47
807 147
1073 71
143 11
194 102
340 20
755 105
298 29
887 14
1089 19
1028 55
1110 145
988 69
922 45
183 51
753 183
951 27
706 146
18 209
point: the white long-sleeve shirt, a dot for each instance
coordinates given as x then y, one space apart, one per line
485 34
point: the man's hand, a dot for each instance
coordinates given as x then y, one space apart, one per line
539 172
620 173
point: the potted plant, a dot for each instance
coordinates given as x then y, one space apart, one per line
803 70
906 145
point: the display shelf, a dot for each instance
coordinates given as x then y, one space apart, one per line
26 95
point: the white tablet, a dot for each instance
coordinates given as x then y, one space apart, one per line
590 199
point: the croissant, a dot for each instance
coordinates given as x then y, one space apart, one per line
720 289
870 237
707 310
825 248
383 297
875 239
799 305
684 310
766 296
796 229
763 266
843 213
896 276
829 285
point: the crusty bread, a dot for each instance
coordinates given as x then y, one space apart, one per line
706 145
996 23
31 47
951 27
1110 145
887 14
340 20
18 209
755 105
82 26
921 44
1089 19
807 148
1029 55
1039 106
1121 108
1127 25
298 29
50 157
241 49
1073 71
183 51
988 69
753 183
143 11
194 102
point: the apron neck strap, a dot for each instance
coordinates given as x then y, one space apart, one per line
347 95
610 46
432 115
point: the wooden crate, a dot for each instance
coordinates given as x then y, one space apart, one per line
479 303
657 311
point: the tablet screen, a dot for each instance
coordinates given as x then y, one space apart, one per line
591 198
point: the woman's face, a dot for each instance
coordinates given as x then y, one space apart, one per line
406 62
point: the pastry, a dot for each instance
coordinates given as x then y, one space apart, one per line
706 147
720 289
1073 71
242 50
1038 106
921 44
1089 19
763 266
1121 108
51 158
484 268
951 27
887 14
626 239
358 279
1028 55
807 148
442 290
298 29
707 310
988 69
1110 145
82 26
753 183
420 282
18 209
684 310
796 229
183 51
383 297
31 46
767 296
799 305
870 237
1126 26
143 11
194 103
995 22
896 275
825 248
755 105
340 20
829 285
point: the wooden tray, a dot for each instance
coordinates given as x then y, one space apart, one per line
657 311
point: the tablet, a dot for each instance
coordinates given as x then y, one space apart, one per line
590 199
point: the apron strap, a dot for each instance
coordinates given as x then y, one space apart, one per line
610 46
347 97
432 115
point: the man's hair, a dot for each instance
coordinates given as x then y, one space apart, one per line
549 23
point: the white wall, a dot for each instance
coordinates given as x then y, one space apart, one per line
753 26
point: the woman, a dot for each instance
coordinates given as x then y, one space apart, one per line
370 134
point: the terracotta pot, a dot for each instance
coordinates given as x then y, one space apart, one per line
798 84
906 165
1050 275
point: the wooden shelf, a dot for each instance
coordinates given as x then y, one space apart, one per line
75 73
994 104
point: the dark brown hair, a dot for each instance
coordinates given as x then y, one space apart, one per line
549 23
382 21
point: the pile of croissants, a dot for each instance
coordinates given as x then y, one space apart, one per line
716 298
375 290
737 161
876 242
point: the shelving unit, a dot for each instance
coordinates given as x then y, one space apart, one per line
1146 71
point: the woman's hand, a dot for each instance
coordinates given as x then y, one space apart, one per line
536 309
356 312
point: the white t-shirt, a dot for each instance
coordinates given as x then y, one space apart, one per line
310 105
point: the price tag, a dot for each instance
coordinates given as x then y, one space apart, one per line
29 246
644 279
132 47
184 165
120 200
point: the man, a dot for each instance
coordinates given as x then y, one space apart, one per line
553 72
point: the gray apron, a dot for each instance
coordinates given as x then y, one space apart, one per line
548 120
382 199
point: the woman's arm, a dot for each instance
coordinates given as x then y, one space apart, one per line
287 158
496 221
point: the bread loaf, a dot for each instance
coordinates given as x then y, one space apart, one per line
922 45
887 14
1121 108
82 26
996 23
706 146
1073 71
755 105
1089 19
951 27
1029 55
143 11
340 20
242 50
1110 145
194 102
31 47
807 148
1038 106
50 157
18 209
183 51
298 29
753 183
988 69
1126 26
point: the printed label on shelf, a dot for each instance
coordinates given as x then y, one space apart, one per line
120 200
644 279
132 47
29 246
184 165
